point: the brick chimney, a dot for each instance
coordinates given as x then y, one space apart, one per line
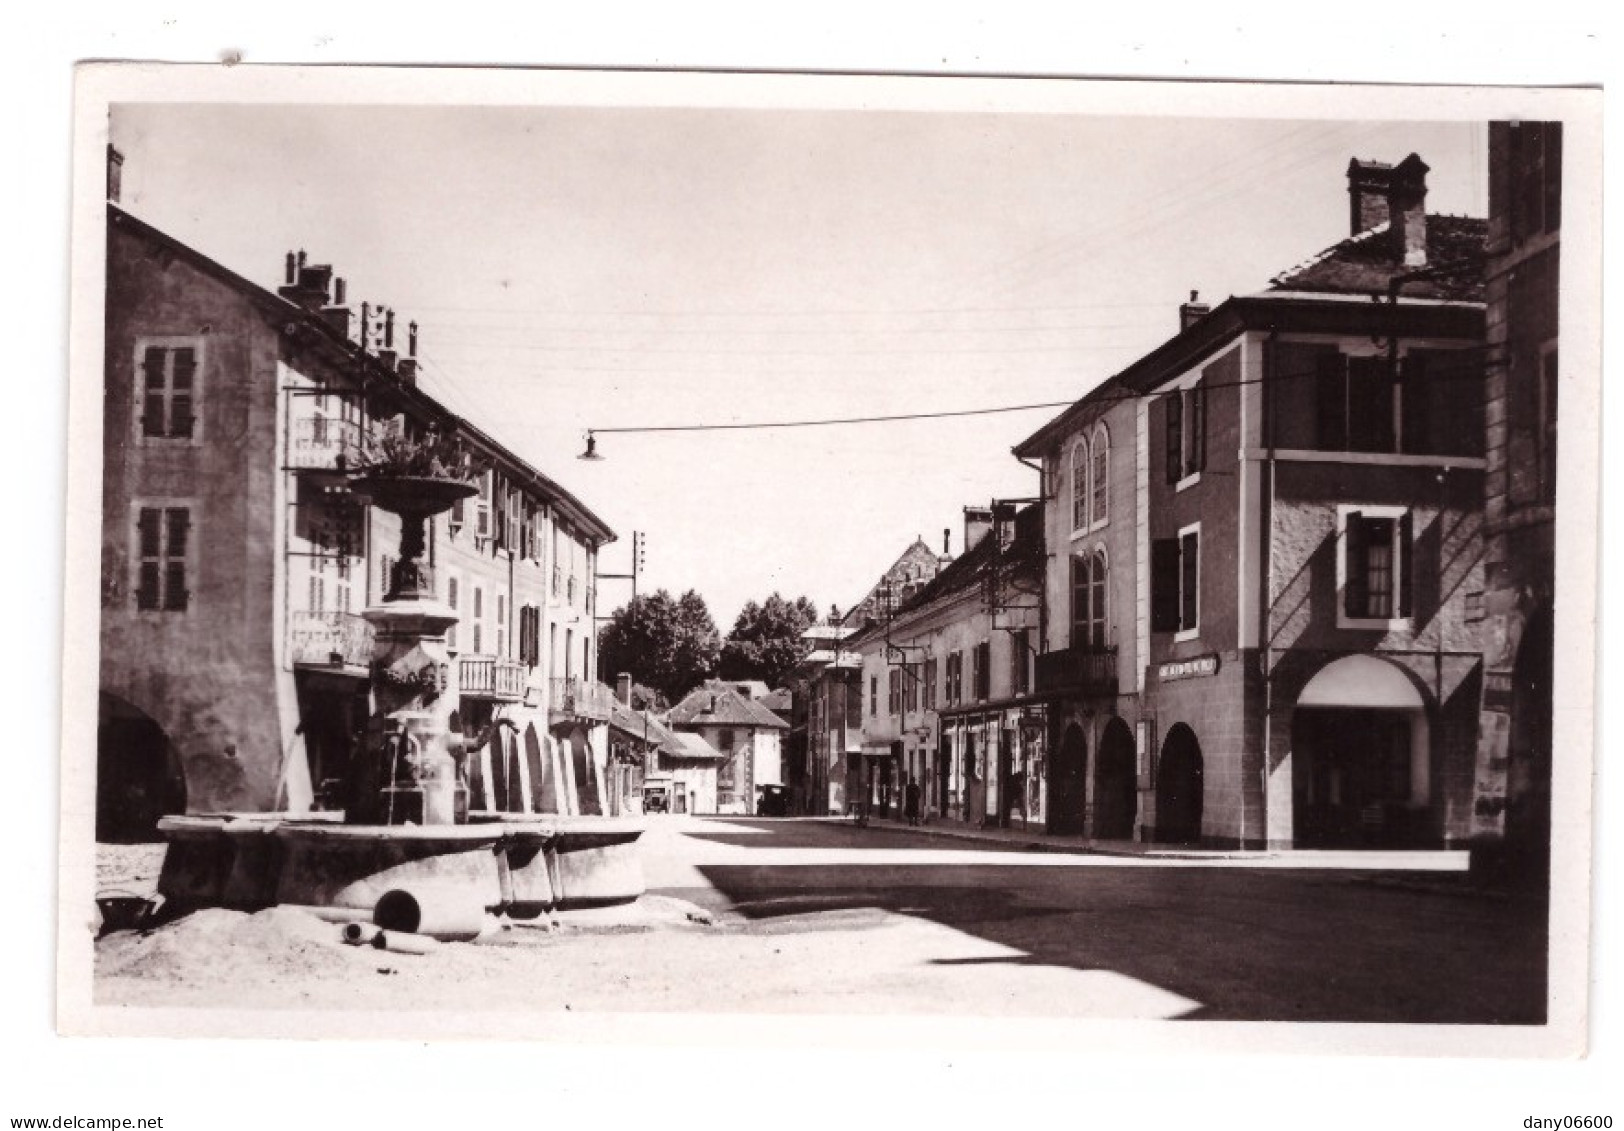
307 283
1192 312
1368 185
977 524
115 173
623 688
1407 210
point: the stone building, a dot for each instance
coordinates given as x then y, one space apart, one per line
946 676
1297 579
744 732
235 560
1512 817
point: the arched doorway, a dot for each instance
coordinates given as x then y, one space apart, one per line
1360 758
1068 784
138 774
1179 787
587 794
1116 784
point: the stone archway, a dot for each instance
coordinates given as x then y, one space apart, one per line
138 773
1068 778
1180 785
1116 783
1361 765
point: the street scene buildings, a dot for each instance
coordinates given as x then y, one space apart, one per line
1278 592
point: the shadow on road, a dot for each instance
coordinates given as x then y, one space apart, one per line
1248 945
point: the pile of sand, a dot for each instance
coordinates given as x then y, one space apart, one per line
229 947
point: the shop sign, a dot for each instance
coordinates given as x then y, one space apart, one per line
1188 669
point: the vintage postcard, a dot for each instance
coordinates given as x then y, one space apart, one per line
967 561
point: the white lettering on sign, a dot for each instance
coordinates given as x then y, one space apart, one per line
1188 669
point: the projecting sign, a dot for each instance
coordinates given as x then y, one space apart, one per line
1188 669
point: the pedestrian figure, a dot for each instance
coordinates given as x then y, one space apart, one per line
910 802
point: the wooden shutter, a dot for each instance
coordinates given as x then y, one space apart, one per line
1415 396
180 388
1164 585
1330 401
150 542
1198 428
179 522
1404 547
152 400
1355 590
1189 580
1175 435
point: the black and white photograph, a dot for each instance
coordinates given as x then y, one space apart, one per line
558 549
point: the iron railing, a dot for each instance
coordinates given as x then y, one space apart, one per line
1079 671
323 443
489 677
580 698
330 639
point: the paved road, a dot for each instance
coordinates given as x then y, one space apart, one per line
1114 937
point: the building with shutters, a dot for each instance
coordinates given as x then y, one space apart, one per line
234 667
1292 546
746 736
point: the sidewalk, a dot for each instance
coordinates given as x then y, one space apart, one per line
1394 860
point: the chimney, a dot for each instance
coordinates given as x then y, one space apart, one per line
977 522
115 173
947 535
1368 186
309 284
1192 312
1407 209
623 688
406 370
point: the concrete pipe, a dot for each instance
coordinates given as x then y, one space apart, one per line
397 942
359 934
450 914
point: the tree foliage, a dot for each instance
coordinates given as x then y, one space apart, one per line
668 644
766 642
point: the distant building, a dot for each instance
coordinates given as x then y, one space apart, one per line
1295 580
744 732
946 679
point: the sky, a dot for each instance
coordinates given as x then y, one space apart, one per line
579 268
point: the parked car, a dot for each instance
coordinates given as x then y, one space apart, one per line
774 801
657 796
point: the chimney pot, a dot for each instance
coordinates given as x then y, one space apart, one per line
292 271
1192 312
339 290
1368 185
1407 209
947 535
411 339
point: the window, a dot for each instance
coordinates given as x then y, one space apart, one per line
163 539
501 624
1088 601
955 677
168 390
1079 486
1020 648
893 700
981 669
874 695
1175 583
1375 566
529 635
479 616
452 597
569 653
1356 403
586 657
1186 419
910 688
482 506
724 740
930 684
552 649
1100 477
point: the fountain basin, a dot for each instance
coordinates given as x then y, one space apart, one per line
519 865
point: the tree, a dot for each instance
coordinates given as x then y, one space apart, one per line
670 644
766 642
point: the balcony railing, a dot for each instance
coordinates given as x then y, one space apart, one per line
580 698
330 640
321 443
1078 671
488 677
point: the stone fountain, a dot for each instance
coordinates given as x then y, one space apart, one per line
406 853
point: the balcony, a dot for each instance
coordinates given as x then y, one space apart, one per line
320 443
337 641
1077 671
574 698
488 677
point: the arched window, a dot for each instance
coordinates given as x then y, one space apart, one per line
1088 601
1079 486
1100 478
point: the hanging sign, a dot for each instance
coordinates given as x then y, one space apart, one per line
1193 668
